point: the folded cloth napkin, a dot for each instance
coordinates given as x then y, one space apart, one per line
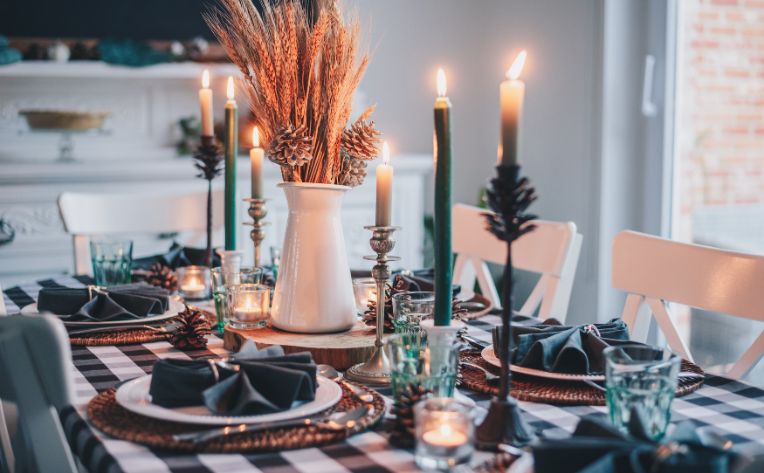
176 257
550 346
123 302
421 280
598 447
253 382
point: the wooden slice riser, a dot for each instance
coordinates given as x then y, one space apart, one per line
340 350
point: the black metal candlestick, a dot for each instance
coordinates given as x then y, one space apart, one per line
508 196
209 157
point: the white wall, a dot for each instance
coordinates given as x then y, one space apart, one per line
475 41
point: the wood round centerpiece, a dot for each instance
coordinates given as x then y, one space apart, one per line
340 350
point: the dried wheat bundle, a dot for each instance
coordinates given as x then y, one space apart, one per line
301 67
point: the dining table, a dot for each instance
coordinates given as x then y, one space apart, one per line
734 409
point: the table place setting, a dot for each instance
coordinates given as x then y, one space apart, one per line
195 352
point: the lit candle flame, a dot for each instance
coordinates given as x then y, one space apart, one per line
229 90
255 137
445 430
206 79
441 82
517 66
385 153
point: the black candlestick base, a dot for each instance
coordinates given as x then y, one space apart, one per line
503 424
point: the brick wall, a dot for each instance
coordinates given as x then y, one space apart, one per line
720 114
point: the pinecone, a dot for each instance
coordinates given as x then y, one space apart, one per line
291 146
162 276
209 159
192 331
403 409
499 464
361 140
353 170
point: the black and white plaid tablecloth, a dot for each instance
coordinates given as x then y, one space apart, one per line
735 409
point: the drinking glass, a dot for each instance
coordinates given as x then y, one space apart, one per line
112 261
410 308
412 361
641 380
222 287
364 290
250 305
444 434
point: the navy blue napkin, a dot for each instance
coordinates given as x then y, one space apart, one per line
253 382
598 447
553 347
122 302
177 256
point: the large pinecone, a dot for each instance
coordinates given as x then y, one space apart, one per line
361 140
403 409
162 276
353 171
291 146
192 331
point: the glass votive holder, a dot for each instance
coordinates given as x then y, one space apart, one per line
444 434
410 308
193 282
249 306
414 363
364 290
112 261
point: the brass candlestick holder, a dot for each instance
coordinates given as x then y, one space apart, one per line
376 370
258 212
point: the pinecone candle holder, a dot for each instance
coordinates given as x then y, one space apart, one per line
403 409
192 331
509 197
209 159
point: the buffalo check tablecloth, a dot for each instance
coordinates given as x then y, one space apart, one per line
734 409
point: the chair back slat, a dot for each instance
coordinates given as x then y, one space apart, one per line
655 270
86 215
551 250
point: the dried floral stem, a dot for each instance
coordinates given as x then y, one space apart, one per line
301 67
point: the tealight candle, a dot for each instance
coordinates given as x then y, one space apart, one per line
364 290
444 434
250 304
193 282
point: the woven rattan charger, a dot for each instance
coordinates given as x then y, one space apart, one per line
121 337
107 415
567 393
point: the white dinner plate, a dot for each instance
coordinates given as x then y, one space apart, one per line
134 396
489 356
176 305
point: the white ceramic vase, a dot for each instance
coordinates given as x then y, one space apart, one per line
314 291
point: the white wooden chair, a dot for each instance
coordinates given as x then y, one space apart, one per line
35 366
86 215
654 271
551 250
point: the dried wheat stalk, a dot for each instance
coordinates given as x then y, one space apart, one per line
301 67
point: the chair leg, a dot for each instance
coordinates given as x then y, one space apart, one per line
749 359
5 442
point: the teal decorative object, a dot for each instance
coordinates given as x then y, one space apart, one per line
8 55
131 53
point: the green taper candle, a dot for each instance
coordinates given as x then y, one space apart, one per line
231 150
442 221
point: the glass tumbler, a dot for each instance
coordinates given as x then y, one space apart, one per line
641 380
250 306
444 434
112 261
194 282
410 308
412 361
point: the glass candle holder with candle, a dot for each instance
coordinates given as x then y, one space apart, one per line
444 434
194 282
364 290
250 306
